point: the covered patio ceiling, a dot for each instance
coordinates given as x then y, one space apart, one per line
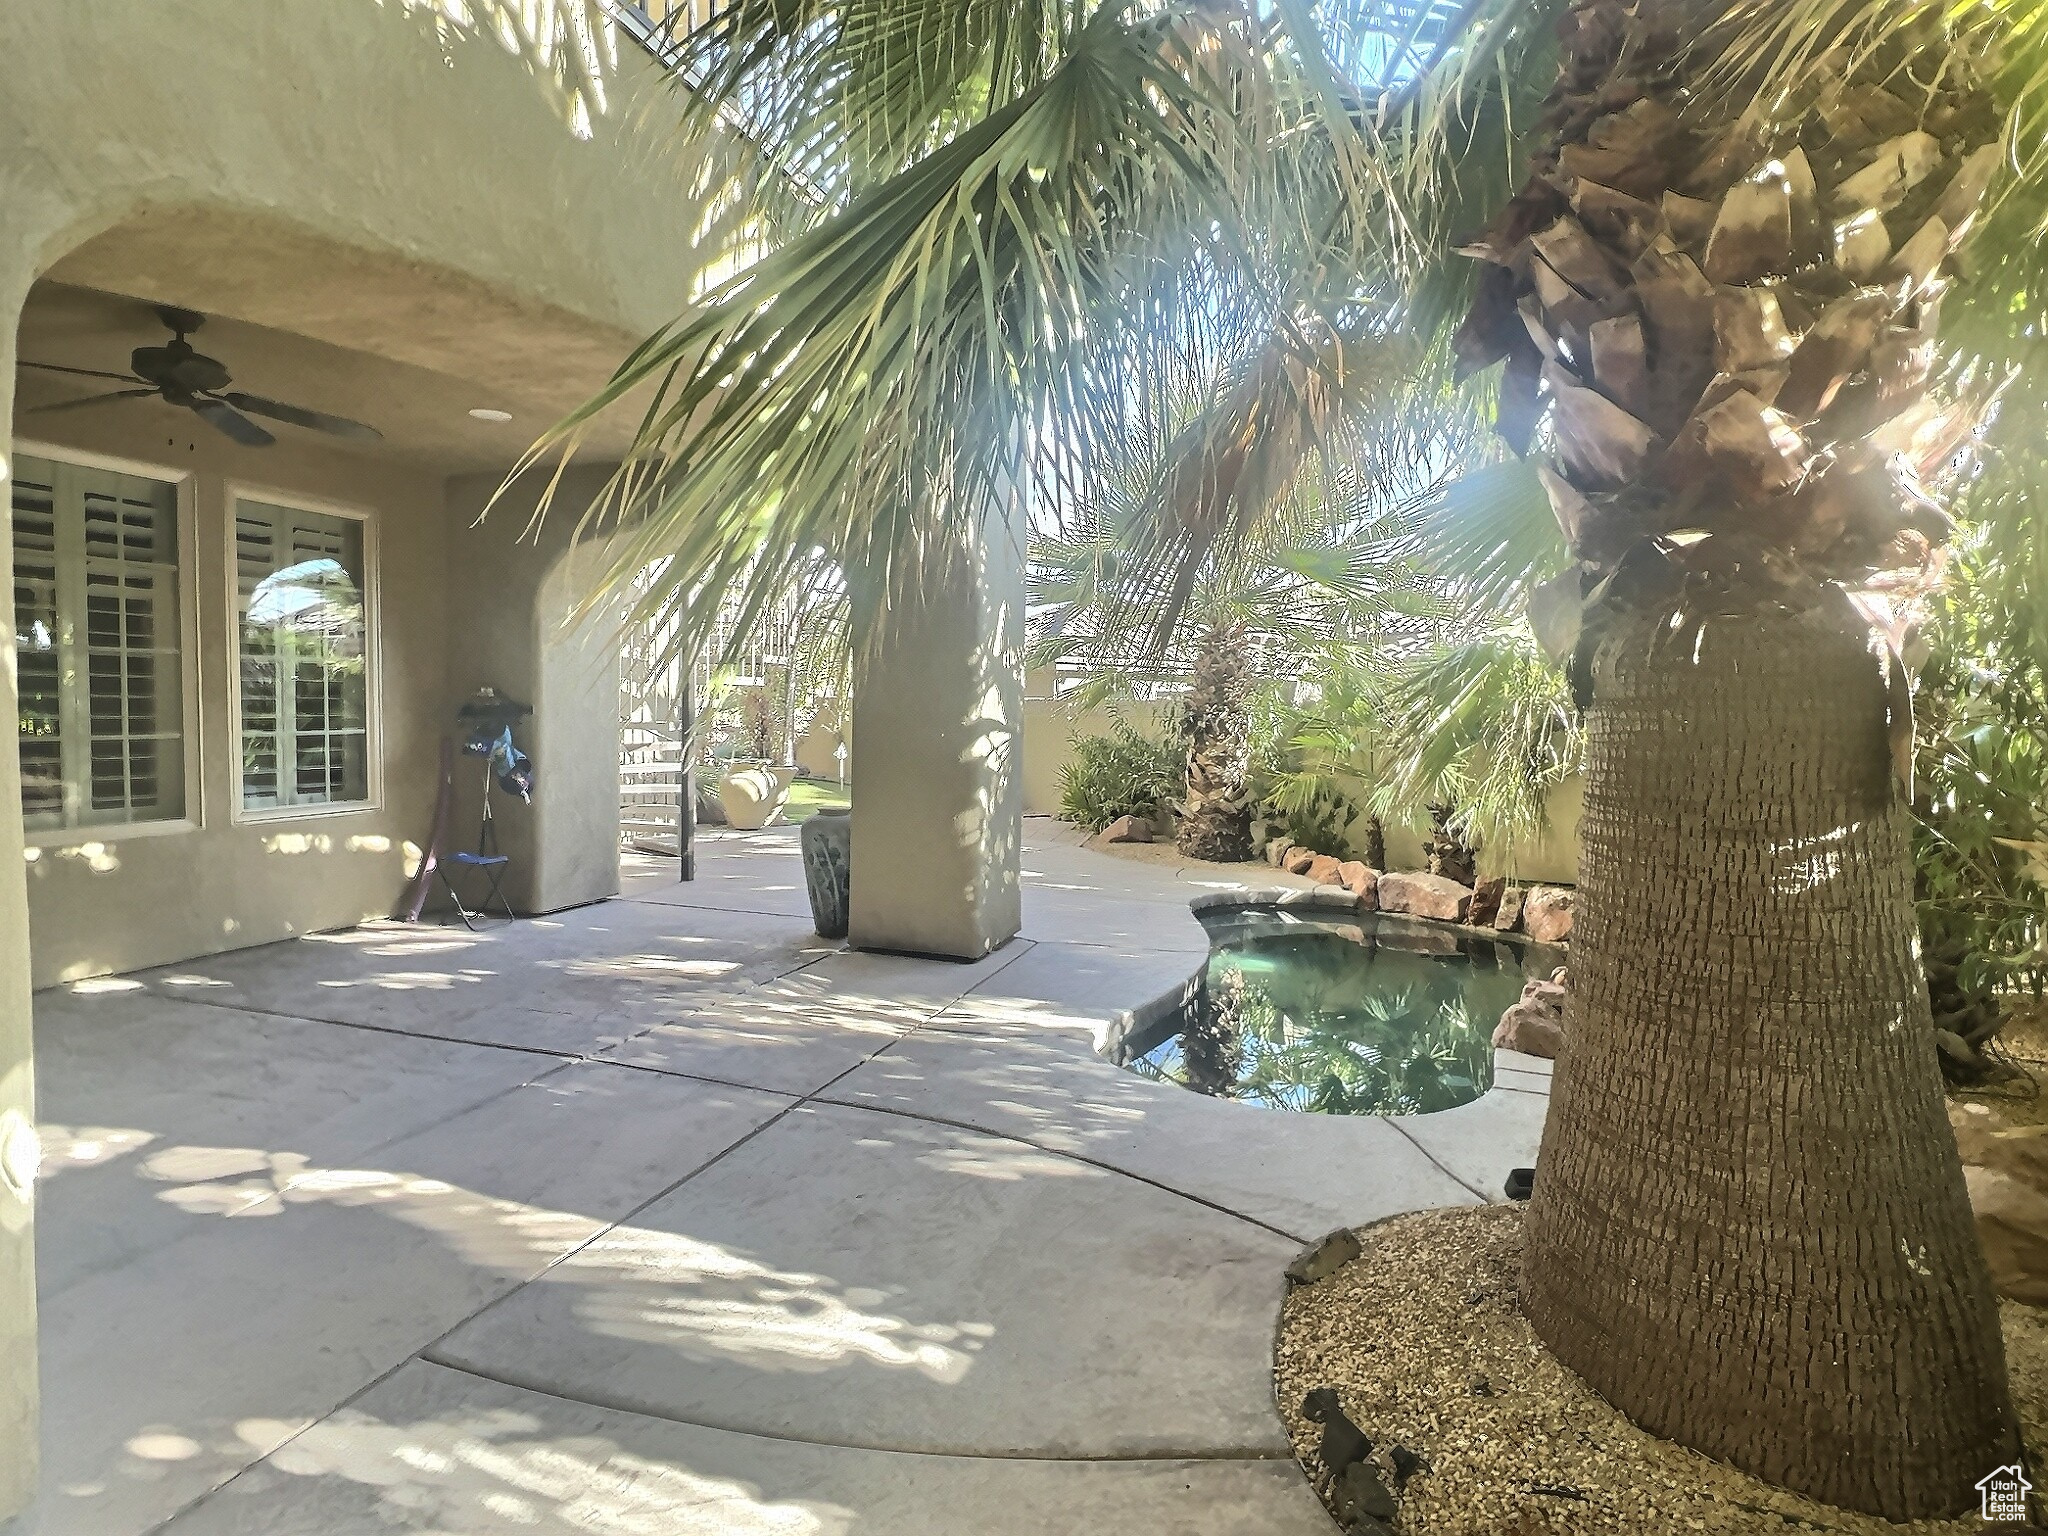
407 350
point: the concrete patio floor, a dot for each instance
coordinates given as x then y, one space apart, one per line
665 1216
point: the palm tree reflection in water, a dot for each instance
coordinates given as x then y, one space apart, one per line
1343 1020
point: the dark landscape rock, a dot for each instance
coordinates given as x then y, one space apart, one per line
1424 896
1521 1181
1547 914
1360 1496
1406 1464
1127 829
1297 860
1326 1258
1343 1448
1509 917
1486 900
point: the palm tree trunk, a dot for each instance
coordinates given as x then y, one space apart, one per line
1449 854
1749 1229
1212 1047
1216 820
1375 843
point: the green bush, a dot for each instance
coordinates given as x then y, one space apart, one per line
1981 785
1122 774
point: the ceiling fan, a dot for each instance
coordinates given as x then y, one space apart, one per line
182 376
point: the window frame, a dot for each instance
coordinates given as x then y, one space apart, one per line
184 483
239 813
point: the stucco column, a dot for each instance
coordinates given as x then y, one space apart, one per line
18 1147
508 599
938 708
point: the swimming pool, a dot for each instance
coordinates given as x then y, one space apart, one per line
1347 1015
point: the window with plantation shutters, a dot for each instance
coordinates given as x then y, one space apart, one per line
303 657
98 641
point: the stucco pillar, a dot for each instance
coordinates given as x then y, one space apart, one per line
18 1145
938 706
509 595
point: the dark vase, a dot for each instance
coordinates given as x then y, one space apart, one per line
827 838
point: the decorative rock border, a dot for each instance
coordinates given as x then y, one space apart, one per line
1543 912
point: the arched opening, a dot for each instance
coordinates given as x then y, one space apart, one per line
240 614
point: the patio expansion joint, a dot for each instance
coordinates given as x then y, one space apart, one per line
1072 1157
617 1405
231 1005
706 906
427 1352
1437 1162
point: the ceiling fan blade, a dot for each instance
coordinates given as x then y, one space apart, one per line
218 413
83 373
72 405
299 416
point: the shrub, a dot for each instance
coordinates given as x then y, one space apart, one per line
1125 773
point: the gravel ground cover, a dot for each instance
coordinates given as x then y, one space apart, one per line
1424 1341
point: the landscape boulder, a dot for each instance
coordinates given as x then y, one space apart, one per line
1322 869
751 798
1297 860
1362 881
1486 897
1127 829
1424 896
1509 917
1277 849
1547 914
2006 1168
1316 1264
1534 1025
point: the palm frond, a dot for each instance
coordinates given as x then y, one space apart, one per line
992 211
1485 725
869 387
1494 529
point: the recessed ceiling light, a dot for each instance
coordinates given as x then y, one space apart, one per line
485 413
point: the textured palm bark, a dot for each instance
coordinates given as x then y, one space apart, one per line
1212 1048
1216 819
1749 1230
1449 854
1375 843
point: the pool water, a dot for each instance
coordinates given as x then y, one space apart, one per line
1362 1016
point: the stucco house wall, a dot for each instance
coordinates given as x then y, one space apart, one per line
371 175
517 637
124 898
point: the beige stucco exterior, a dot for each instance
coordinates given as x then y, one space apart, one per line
120 899
938 694
520 637
391 208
